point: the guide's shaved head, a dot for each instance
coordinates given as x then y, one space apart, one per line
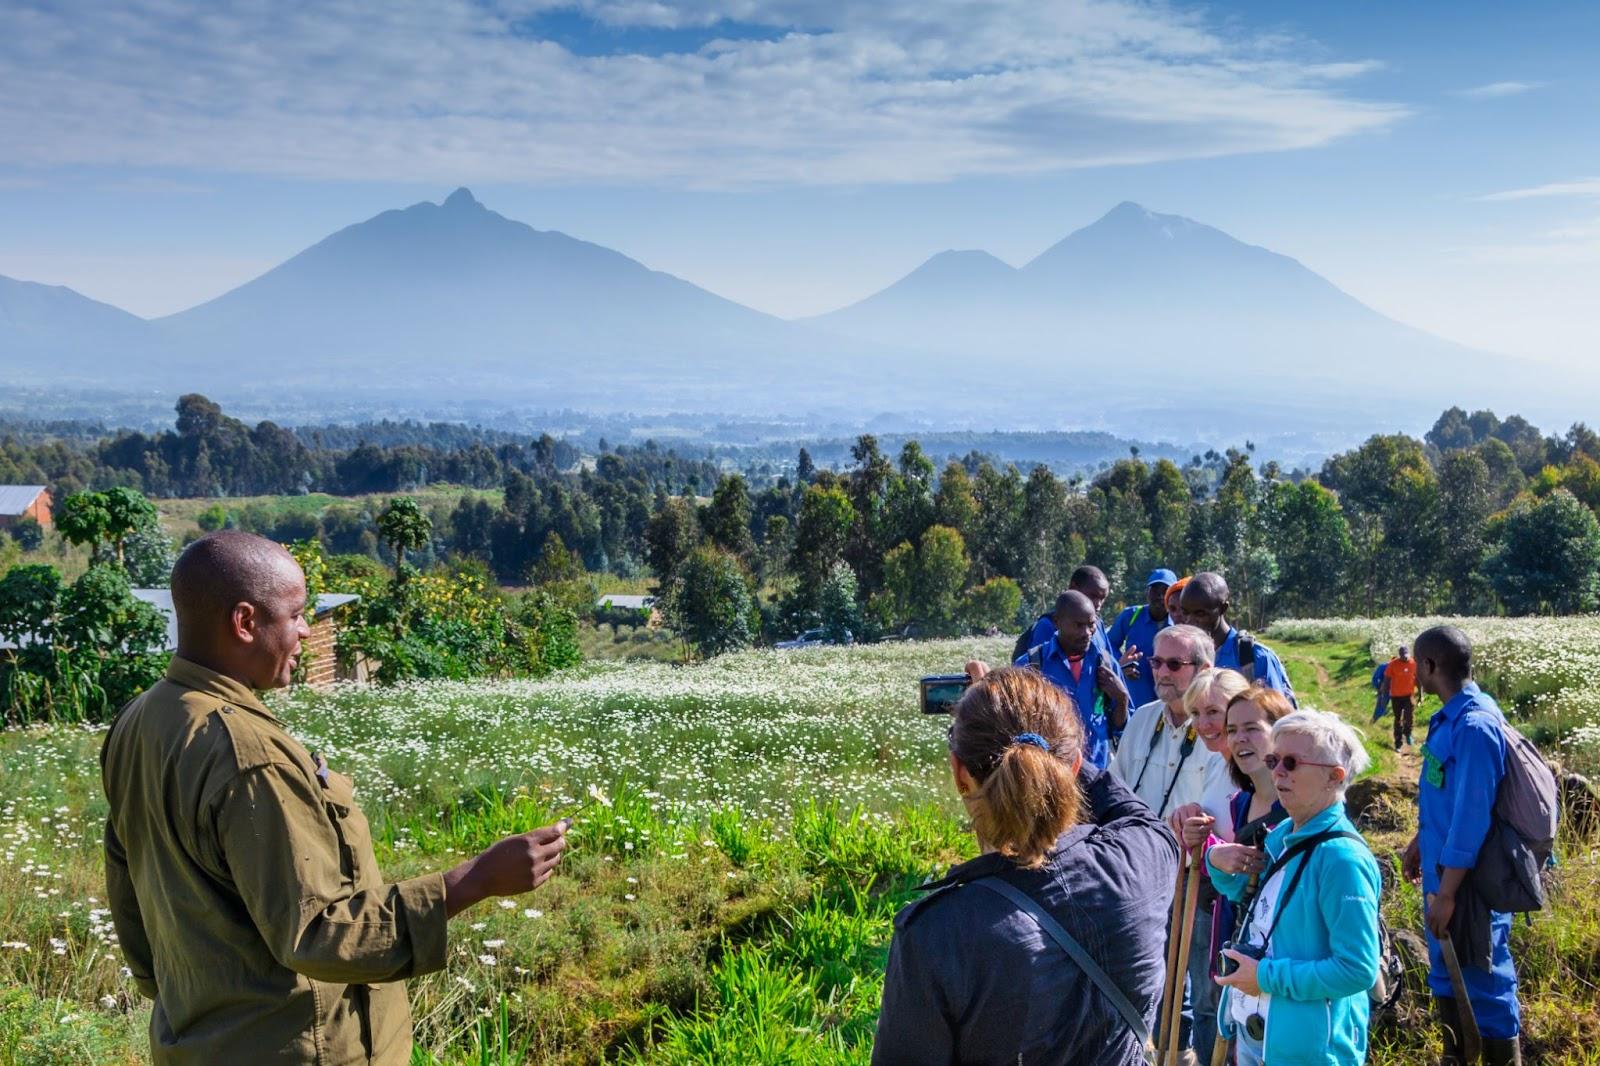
1448 650
240 601
227 568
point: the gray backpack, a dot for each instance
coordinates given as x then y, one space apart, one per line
1522 833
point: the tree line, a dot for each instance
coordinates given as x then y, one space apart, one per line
1480 515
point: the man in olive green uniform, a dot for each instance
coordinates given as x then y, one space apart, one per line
241 874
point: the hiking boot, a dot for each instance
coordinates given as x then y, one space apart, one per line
1396 743
1497 1052
1409 742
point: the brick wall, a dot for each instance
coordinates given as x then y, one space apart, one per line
322 669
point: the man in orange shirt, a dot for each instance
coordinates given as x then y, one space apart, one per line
1401 677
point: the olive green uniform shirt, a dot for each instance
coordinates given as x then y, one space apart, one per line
245 892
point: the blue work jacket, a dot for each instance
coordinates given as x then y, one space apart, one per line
1269 668
1135 628
1044 631
1085 693
1463 763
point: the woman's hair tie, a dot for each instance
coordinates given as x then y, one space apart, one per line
1031 738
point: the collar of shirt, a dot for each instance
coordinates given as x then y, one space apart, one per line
1461 702
192 675
1055 650
1327 818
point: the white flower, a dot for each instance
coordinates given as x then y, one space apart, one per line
508 904
532 912
488 960
494 945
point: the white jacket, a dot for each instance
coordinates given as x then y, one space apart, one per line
1150 761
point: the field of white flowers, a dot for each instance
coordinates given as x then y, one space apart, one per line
761 731
1544 671
773 810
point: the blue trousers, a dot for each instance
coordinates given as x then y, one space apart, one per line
1200 1014
1493 992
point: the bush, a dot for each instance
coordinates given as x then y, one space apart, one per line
80 651
28 533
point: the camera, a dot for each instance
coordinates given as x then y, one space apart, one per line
1226 965
940 692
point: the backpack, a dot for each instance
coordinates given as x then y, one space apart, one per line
1022 645
1522 832
1247 656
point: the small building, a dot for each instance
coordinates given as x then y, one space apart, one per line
25 501
318 652
627 603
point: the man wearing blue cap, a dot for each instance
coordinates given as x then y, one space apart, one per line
1133 635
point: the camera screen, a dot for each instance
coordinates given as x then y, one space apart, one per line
940 694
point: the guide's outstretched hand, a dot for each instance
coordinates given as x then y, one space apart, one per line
508 867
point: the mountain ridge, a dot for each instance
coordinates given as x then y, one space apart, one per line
455 296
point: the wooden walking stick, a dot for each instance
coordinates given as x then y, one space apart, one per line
1191 899
1172 957
1471 1038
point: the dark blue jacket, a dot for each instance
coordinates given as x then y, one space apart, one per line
972 980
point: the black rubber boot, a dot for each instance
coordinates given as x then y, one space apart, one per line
1502 1052
1449 1017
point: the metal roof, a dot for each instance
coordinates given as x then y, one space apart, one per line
14 499
161 600
632 603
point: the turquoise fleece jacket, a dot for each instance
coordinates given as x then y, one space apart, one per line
1324 951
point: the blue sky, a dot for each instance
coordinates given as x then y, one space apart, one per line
1440 161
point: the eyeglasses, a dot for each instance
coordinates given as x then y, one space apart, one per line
1290 762
1158 663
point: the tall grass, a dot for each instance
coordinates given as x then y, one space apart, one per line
735 903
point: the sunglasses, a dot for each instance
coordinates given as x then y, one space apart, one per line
1174 665
1290 762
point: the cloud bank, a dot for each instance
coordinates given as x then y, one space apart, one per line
1497 89
686 93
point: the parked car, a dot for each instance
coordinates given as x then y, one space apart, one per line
814 638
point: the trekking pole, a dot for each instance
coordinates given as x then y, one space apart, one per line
1219 1051
1191 899
1172 957
1471 1038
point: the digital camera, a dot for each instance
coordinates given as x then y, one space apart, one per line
940 692
1226 965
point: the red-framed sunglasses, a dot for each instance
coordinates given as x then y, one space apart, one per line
1291 762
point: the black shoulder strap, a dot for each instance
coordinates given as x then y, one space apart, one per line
1076 951
1185 750
1299 847
1036 657
1247 655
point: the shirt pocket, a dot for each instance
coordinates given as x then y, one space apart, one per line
355 835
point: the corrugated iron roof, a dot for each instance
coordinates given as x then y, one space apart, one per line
161 600
14 499
632 603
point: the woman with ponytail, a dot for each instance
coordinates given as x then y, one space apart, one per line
1049 946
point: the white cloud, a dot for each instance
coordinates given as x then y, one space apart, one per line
1583 187
1497 89
422 90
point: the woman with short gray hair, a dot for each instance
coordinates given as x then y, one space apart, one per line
1296 979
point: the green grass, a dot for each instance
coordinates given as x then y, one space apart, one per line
772 812
180 515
